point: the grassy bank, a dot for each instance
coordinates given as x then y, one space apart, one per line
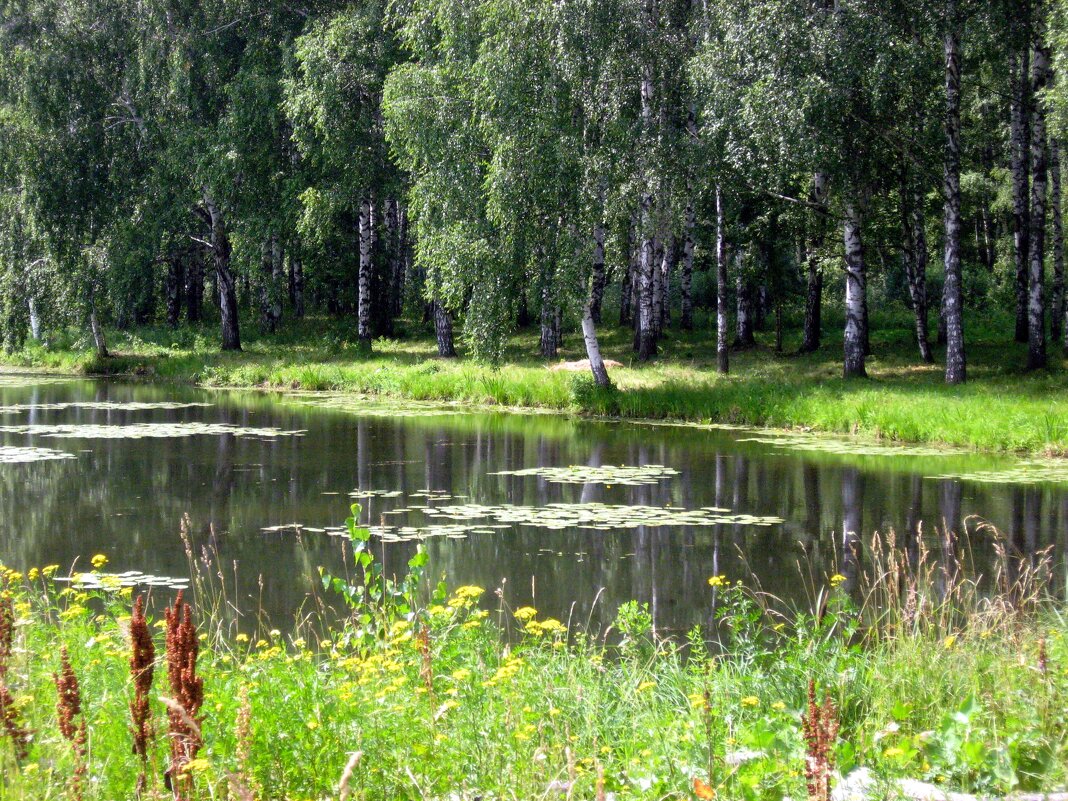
425 700
1001 408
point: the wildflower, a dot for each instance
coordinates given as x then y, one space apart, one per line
241 637
312 725
187 688
463 674
68 707
949 642
837 579
717 581
894 751
819 725
697 701
99 561
525 613
646 685
275 633
778 706
49 570
750 700
195 766
32 575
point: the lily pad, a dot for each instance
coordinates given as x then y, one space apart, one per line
10 454
604 474
145 431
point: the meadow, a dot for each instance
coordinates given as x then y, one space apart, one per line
1001 408
417 691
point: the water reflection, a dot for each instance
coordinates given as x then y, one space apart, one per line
125 497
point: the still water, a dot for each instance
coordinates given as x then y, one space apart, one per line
537 505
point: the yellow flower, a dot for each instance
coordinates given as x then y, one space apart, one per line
717 581
525 613
949 641
312 725
463 674
49 570
837 579
779 706
697 701
32 575
261 643
894 751
646 685
98 562
750 700
195 766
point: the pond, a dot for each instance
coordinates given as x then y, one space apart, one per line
571 516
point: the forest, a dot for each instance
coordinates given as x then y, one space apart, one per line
487 166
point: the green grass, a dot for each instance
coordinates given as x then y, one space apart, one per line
1002 408
930 681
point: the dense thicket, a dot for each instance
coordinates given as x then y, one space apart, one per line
500 163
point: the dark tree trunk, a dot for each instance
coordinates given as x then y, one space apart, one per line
549 343
1036 306
814 291
956 369
1021 219
626 308
296 284
400 274
194 286
722 306
224 278
174 284
855 296
271 288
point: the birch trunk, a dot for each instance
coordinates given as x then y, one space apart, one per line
35 318
224 278
1057 295
855 291
593 350
914 255
1036 307
597 280
443 330
363 309
659 251
814 291
99 342
271 288
686 276
646 331
400 277
722 308
548 344
953 299
1020 166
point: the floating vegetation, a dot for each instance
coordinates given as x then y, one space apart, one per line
9 454
845 447
1028 471
597 516
604 474
116 581
363 494
131 406
146 431
30 380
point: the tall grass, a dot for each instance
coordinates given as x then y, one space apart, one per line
933 673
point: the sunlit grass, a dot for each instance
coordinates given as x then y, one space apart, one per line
1001 408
